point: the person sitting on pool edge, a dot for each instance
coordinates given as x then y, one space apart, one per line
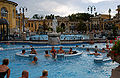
24 74
60 51
33 51
44 74
70 51
46 54
4 69
34 60
96 54
23 52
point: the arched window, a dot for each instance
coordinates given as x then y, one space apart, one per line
13 13
4 12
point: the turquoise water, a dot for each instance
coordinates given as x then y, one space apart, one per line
62 37
82 66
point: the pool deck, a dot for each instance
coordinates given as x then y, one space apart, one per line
62 42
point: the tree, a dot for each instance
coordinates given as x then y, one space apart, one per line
36 16
45 27
81 26
59 29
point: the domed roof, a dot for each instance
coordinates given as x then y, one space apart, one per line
3 22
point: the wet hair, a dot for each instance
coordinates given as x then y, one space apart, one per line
71 48
83 45
35 58
23 51
25 74
44 72
5 62
87 49
95 51
103 48
46 52
32 48
96 46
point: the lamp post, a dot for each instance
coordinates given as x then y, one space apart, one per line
19 24
109 11
23 10
91 9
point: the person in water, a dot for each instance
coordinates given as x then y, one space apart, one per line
87 50
54 52
46 54
70 51
33 51
44 74
96 54
4 69
34 60
23 52
25 74
61 51
103 50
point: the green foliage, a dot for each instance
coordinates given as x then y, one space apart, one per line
80 16
49 16
114 31
36 16
116 47
81 26
59 29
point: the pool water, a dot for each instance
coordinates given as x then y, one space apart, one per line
62 37
82 66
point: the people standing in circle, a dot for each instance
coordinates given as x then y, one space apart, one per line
25 74
44 74
54 52
4 69
34 60
33 51
46 54
61 51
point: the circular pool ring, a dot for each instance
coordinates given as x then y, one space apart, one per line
101 59
25 55
75 53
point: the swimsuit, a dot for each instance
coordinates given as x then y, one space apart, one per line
2 74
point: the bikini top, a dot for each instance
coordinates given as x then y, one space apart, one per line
2 74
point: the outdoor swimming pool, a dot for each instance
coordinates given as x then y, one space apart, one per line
82 66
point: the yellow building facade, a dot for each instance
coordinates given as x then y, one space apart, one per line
8 12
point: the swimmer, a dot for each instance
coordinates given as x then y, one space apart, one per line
33 51
54 52
23 52
24 74
87 50
46 54
83 46
34 60
44 74
96 54
103 50
60 51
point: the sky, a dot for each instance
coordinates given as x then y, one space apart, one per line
66 7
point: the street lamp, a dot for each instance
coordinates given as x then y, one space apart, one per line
91 8
23 10
109 11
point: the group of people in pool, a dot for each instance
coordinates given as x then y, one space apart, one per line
5 71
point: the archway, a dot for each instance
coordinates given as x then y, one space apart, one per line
63 26
4 29
4 12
